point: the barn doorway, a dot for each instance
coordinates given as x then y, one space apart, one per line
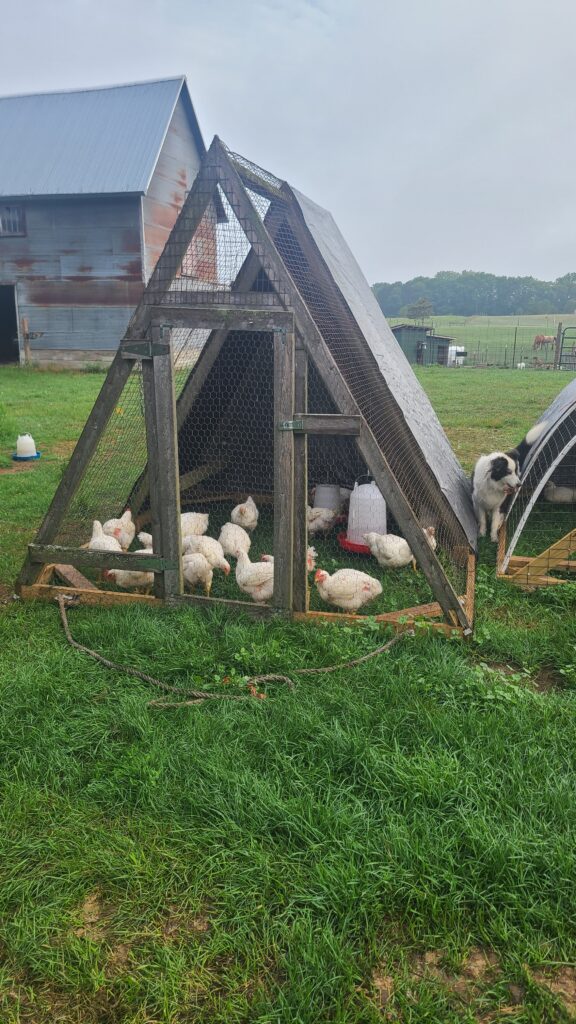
9 347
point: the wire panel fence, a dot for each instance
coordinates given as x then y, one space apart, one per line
517 343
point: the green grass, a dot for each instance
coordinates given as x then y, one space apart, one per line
269 861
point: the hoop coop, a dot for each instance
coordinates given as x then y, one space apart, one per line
538 542
258 363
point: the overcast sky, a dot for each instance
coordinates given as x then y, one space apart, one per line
440 133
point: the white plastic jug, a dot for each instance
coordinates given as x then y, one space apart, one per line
327 496
25 446
367 511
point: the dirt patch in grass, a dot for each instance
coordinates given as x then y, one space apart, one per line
561 983
479 969
545 680
383 985
47 1005
18 467
94 917
548 679
467 986
178 926
63 449
118 959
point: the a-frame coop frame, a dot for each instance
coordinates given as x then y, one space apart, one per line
297 287
538 537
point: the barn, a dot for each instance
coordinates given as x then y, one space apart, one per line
91 183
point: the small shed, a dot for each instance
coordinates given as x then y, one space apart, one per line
421 345
91 184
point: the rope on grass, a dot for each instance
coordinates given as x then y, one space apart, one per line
199 696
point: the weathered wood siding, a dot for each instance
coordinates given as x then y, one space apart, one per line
174 174
78 271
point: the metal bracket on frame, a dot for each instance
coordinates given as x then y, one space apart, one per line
291 425
144 349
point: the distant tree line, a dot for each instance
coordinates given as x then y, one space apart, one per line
471 293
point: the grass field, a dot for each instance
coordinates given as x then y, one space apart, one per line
393 842
499 339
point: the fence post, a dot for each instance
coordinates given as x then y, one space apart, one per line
558 347
514 349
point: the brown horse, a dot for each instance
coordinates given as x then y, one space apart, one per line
543 340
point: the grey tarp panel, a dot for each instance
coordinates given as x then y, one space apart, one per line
412 400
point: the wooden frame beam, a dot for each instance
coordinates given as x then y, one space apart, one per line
223 318
284 348
177 301
300 491
48 554
324 424
86 445
162 445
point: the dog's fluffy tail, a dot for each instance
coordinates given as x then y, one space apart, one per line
533 435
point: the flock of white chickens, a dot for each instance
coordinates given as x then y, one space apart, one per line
348 589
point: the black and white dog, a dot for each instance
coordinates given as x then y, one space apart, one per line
495 479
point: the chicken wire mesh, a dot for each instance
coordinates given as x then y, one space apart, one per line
120 457
543 515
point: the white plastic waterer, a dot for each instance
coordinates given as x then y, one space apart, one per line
327 496
367 511
25 446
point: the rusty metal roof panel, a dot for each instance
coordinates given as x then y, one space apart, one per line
87 142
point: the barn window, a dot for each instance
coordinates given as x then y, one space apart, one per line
12 220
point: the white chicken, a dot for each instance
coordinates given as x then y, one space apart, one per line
311 556
145 539
255 578
210 548
197 569
559 495
132 579
123 529
394 552
193 524
101 541
348 588
233 539
320 519
246 514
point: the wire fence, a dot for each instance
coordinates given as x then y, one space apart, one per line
523 343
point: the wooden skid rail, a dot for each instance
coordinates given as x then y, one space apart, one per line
48 592
86 593
404 619
530 573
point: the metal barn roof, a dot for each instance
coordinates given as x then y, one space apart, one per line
88 142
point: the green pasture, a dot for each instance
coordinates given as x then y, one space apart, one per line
500 339
389 842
